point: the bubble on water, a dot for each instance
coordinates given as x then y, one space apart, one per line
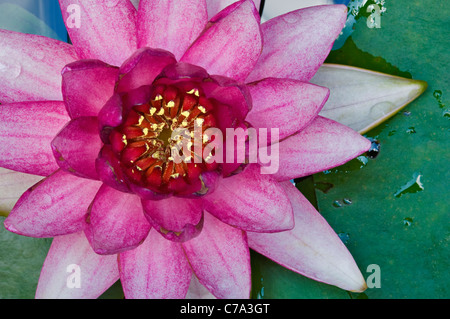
347 201
407 221
437 94
337 203
374 148
413 186
345 237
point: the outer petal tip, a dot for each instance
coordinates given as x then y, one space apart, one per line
10 227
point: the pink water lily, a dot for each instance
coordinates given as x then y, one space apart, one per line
94 118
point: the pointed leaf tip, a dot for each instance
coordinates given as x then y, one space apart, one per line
363 99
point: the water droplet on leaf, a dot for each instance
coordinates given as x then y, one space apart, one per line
413 186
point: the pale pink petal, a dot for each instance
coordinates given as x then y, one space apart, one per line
297 43
53 207
158 269
322 145
182 22
30 67
284 104
220 259
251 201
197 290
214 6
26 133
12 186
77 146
231 43
116 222
104 30
312 248
142 68
178 219
86 86
68 257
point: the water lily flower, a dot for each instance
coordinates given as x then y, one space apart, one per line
96 119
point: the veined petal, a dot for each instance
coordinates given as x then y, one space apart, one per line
26 133
312 248
30 67
86 86
322 145
178 219
158 269
297 43
220 259
182 22
231 43
77 146
284 104
215 6
384 95
12 186
116 222
104 30
71 254
53 207
251 201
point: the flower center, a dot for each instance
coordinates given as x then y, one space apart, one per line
156 141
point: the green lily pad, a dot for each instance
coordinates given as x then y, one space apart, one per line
392 210
21 260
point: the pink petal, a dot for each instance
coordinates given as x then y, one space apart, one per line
251 201
77 146
104 30
67 256
12 186
284 104
26 71
297 43
142 68
231 43
178 219
158 269
214 6
26 132
116 222
109 170
231 93
220 259
53 207
312 248
322 145
182 22
86 86
111 116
